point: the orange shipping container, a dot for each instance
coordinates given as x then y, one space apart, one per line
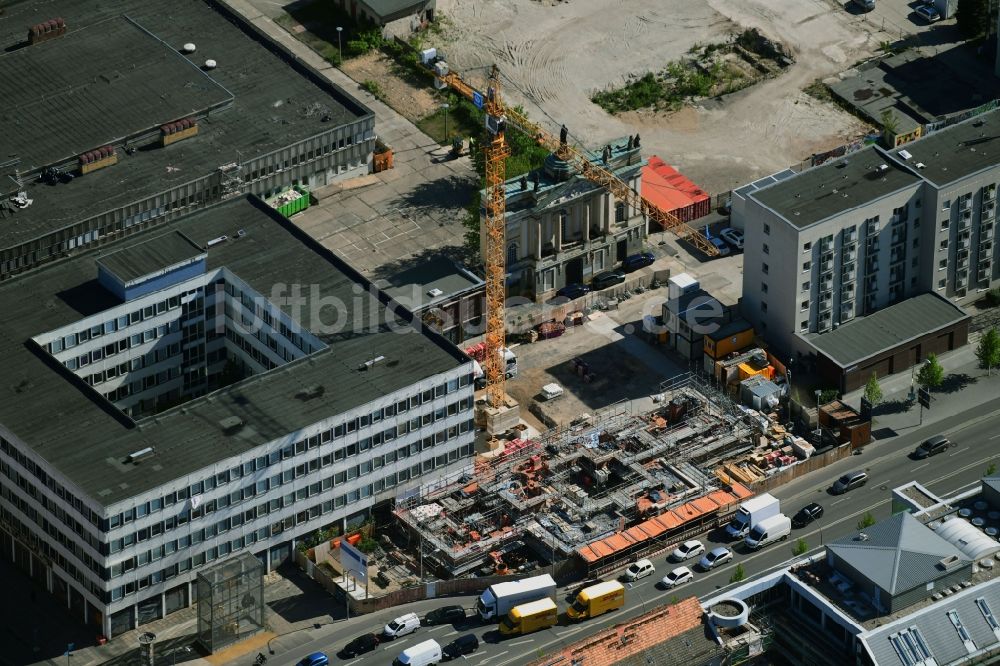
747 370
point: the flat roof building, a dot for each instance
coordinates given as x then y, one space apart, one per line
217 384
130 115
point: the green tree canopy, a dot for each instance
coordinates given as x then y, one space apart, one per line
873 391
931 373
988 351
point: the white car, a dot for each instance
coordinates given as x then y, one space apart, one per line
687 550
638 570
678 576
715 557
733 236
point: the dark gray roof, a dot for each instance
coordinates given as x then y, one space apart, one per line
937 630
957 151
85 438
388 8
163 251
834 187
873 334
411 286
93 86
729 329
897 554
993 482
277 102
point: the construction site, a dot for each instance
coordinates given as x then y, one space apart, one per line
595 493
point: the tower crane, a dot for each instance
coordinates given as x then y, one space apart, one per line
498 116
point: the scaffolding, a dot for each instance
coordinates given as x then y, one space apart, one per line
230 602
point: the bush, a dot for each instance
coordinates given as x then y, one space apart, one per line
800 548
867 520
738 575
365 41
992 298
374 88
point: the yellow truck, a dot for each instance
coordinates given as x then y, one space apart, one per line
597 600
530 617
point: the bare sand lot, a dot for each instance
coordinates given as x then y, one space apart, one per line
555 55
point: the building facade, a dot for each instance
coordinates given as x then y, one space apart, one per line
564 229
870 230
201 417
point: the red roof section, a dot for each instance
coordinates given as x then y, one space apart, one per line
668 188
668 520
630 638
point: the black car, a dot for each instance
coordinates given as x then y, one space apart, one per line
634 262
360 645
807 514
932 447
444 615
573 290
571 594
462 645
607 279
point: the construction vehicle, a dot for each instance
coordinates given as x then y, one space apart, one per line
498 116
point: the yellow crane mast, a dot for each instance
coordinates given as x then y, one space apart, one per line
495 225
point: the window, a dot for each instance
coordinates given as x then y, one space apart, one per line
621 215
804 305
763 287
767 228
943 244
943 264
942 283
806 266
804 327
946 205
766 249
512 254
945 224
763 307
805 286
807 246
764 268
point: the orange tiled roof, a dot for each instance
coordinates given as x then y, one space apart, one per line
630 638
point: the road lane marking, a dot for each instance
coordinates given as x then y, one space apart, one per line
452 632
573 631
494 656
351 663
920 466
526 640
842 499
994 437
438 628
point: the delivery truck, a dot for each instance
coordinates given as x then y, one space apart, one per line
769 530
752 512
597 600
497 600
530 617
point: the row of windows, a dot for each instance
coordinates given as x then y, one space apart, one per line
256 306
277 167
118 324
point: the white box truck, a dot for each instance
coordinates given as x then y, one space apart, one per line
497 600
769 530
752 512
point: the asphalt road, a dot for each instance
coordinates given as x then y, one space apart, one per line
977 437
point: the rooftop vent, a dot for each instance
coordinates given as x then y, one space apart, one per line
211 64
231 424
137 456
905 154
434 293
216 241
311 392
46 30
367 365
189 48
921 165
882 168
949 562
240 233
861 537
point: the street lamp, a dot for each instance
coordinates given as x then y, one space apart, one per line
819 432
446 106
340 51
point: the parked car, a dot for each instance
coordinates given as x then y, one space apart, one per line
678 576
733 236
444 615
866 5
928 13
634 262
461 646
401 626
720 245
573 290
849 481
687 550
807 514
714 558
360 645
933 446
314 659
607 279
638 570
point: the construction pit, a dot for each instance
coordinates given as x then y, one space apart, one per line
579 492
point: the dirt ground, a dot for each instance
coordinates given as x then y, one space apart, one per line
410 101
555 55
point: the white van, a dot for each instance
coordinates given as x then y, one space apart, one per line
638 570
421 654
769 530
401 626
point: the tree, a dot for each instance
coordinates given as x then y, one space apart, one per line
991 469
800 548
890 125
973 17
867 520
988 351
931 373
873 391
738 575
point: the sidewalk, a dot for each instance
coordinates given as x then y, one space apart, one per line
965 385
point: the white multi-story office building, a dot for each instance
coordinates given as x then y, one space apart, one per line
864 232
218 384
